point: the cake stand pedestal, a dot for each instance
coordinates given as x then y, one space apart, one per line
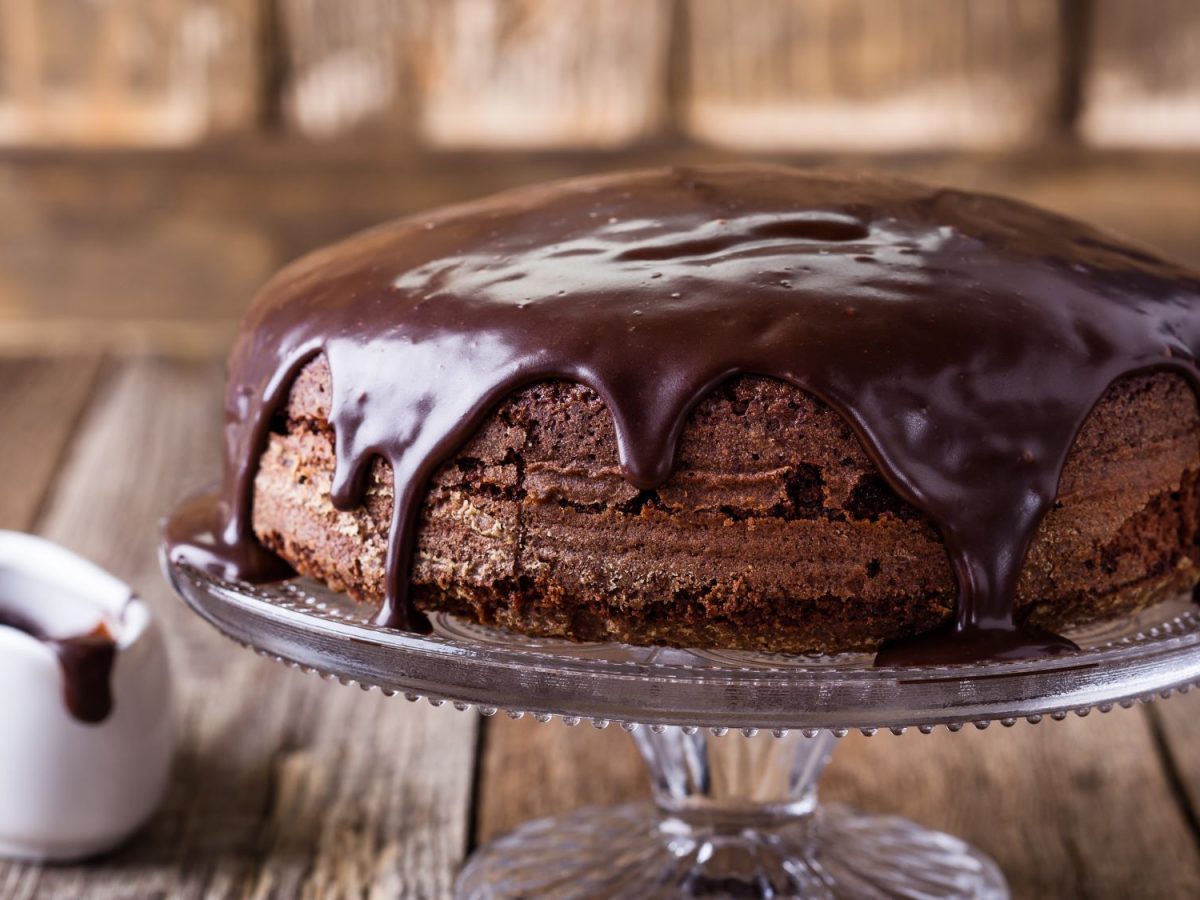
734 814
732 817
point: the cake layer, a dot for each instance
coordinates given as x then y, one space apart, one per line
774 532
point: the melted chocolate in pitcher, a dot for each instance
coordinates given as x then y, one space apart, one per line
85 660
964 337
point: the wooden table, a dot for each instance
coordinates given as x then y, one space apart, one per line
288 786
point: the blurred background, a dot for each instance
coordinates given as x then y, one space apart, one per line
160 158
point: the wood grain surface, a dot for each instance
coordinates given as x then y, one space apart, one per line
41 401
460 73
127 73
795 74
1143 83
856 74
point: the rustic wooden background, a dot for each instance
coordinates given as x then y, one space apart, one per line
150 184
752 74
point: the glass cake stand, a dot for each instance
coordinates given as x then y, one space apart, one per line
733 815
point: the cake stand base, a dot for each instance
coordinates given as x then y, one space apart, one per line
630 851
733 817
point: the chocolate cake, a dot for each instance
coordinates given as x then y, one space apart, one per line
746 407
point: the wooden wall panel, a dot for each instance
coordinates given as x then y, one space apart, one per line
864 75
345 66
478 73
127 72
542 72
1143 82
773 75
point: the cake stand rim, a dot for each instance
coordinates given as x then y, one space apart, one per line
717 696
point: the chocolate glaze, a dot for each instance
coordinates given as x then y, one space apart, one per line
86 661
964 337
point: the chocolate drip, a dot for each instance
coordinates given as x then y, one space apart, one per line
86 661
965 338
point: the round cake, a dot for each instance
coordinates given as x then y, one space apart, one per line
744 407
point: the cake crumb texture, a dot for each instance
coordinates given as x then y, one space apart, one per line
774 532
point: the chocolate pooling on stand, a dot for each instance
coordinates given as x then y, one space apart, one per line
85 660
965 338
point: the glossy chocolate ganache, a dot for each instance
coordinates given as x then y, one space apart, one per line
965 338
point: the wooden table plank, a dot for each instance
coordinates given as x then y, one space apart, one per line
284 786
1176 725
1079 808
40 403
531 769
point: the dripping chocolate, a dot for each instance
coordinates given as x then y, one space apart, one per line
963 337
